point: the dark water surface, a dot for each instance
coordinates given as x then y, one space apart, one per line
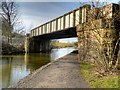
15 67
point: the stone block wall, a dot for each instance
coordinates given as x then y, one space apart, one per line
97 41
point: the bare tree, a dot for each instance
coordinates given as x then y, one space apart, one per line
119 2
9 19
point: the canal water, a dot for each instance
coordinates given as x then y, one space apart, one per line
15 67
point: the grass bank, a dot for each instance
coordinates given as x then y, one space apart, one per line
87 70
61 45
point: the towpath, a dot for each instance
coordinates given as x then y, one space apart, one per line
64 73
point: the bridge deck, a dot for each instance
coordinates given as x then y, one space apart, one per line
69 20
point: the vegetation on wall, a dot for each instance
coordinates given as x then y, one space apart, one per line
99 37
98 44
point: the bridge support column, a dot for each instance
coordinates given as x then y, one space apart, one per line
36 46
99 42
45 46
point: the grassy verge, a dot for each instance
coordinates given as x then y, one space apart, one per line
61 45
97 82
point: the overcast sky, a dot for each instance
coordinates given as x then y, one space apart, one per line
33 14
36 13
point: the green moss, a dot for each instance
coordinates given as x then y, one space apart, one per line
97 82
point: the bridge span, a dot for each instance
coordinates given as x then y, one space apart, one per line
61 27
66 25
62 23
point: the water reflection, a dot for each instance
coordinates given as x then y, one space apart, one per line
57 53
16 67
13 69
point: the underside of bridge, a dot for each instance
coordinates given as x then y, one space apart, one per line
42 43
66 33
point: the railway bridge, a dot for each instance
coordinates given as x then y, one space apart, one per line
68 25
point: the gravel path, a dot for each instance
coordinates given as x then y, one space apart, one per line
64 73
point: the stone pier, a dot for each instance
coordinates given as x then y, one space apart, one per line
99 37
35 46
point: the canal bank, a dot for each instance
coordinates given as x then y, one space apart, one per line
63 73
15 67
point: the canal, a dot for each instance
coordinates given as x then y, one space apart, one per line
15 67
